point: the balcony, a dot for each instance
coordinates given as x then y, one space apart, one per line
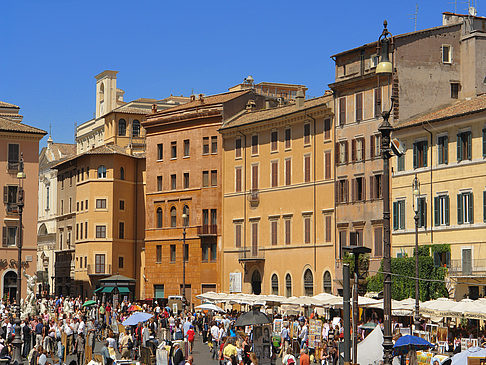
474 267
253 254
101 270
13 166
207 230
12 208
254 197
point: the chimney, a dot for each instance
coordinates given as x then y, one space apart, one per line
251 105
49 142
267 104
299 98
193 97
154 108
201 98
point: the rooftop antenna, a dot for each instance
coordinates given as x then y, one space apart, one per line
414 17
50 130
75 130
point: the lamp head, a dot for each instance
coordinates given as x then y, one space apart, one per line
21 173
384 42
184 215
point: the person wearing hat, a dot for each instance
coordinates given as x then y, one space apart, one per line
178 357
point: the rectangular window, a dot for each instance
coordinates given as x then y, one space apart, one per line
237 147
186 180
420 154
99 263
159 183
454 90
378 102
307 133
186 148
342 191
70 205
441 210
173 181
158 254
121 230
62 206
307 229
342 111
186 252
173 149
214 217
358 192
288 171
359 107
465 208
288 137
100 231
237 179
82 205
160 151
77 206
13 156
214 253
214 144
81 230
342 242
399 214
86 204
205 179
464 146
205 145
122 204
100 203
274 141
254 177
327 165
214 177
254 144
85 232
307 168
422 212
204 252
172 253
327 129
328 228
238 235
375 187
10 235
401 163
274 171
446 53
288 232
343 152
356 238
254 239
77 231
274 230
378 242
120 262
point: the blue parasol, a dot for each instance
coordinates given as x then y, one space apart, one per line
406 343
136 318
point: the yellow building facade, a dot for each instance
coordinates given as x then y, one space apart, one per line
446 150
278 199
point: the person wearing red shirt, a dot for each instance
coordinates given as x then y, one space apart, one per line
190 338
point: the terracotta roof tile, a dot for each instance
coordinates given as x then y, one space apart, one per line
459 108
4 104
11 126
260 115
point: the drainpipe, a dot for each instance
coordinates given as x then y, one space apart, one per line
314 189
431 200
135 230
244 196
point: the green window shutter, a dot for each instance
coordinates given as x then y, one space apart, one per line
469 145
425 147
415 156
402 214
446 150
484 206
436 211
459 148
420 207
459 209
484 142
447 210
395 216
471 208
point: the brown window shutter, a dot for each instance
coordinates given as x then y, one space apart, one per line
372 192
346 152
363 149
238 179
254 234
288 172
353 190
353 150
372 146
359 107
307 176
363 196
274 233
380 192
254 176
5 194
342 111
287 231
238 235
4 236
336 153
346 191
274 173
328 228
327 172
307 222
337 192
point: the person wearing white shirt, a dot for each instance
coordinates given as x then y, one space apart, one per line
215 339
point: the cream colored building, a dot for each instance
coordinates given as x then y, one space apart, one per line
446 150
278 199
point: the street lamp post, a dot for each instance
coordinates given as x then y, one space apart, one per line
184 223
17 342
385 67
416 194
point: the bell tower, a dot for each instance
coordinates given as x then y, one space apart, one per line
106 92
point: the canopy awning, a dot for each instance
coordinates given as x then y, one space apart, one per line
98 290
123 289
108 289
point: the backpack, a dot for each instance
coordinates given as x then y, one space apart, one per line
130 344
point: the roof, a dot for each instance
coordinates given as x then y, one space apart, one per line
55 153
207 100
131 110
458 109
117 278
266 114
11 126
4 104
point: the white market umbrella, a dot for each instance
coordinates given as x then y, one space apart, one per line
210 307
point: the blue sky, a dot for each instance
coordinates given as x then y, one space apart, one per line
52 49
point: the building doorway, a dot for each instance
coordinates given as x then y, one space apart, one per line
256 282
10 285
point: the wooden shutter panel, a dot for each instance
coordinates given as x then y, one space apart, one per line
372 146
337 197
447 210
238 179
363 196
402 214
459 147
328 228
353 190
363 149
337 154
372 187
353 150
346 152
4 236
255 177
346 191
342 111
459 209
469 146
327 171
359 107
484 206
446 150
5 194
415 156
471 208
307 167
484 142
395 215
436 211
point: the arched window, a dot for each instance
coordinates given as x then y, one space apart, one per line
122 127
173 217
159 217
308 283
102 172
274 284
288 285
327 283
122 173
185 219
135 128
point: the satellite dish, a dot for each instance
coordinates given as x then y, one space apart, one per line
397 147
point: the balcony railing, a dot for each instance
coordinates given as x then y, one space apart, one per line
13 166
254 197
100 270
251 254
475 267
12 208
207 230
